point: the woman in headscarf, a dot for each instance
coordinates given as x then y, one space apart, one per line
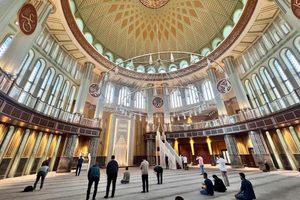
219 185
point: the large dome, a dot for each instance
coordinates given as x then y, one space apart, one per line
129 28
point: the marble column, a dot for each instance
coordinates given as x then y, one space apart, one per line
33 154
233 152
274 150
17 158
166 105
101 98
149 106
236 83
93 149
295 137
12 59
53 159
290 156
46 150
84 87
261 152
8 12
218 97
6 141
65 163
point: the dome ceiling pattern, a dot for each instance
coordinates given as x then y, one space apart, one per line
128 28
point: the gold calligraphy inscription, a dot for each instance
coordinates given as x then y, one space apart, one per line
27 19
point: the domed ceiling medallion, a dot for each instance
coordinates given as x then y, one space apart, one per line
154 4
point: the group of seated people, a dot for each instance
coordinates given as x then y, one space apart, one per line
246 191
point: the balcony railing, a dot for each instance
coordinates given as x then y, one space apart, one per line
245 115
10 88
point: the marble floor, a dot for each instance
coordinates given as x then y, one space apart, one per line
277 185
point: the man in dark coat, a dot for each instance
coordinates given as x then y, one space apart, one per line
246 192
112 173
159 173
219 185
208 187
93 176
79 165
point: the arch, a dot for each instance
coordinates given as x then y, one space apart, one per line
251 93
5 43
120 62
80 23
55 90
207 90
89 37
194 59
130 66
73 6
191 95
269 83
48 78
99 48
71 99
124 97
291 62
175 98
25 65
63 95
183 64
172 68
205 51
110 56
139 100
151 70
237 14
162 69
140 69
216 42
227 30
259 89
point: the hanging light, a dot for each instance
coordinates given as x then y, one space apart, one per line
155 92
195 112
172 57
184 117
190 114
178 118
140 118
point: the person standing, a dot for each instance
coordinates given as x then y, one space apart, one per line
208 187
126 177
167 162
201 164
46 162
246 192
222 166
159 173
184 158
93 177
112 173
42 173
79 165
144 169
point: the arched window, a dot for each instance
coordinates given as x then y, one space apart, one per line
32 80
71 99
292 62
151 70
99 48
207 90
227 30
162 70
140 69
55 90
130 66
24 66
236 15
259 89
175 98
89 37
216 42
109 93
110 56
281 77
79 23
183 64
46 84
139 100
63 95
297 43
251 93
172 68
191 94
120 62
205 51
5 44
124 97
269 83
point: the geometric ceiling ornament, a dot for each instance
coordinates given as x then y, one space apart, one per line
129 28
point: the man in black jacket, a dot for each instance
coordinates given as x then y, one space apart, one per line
159 172
112 173
79 165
